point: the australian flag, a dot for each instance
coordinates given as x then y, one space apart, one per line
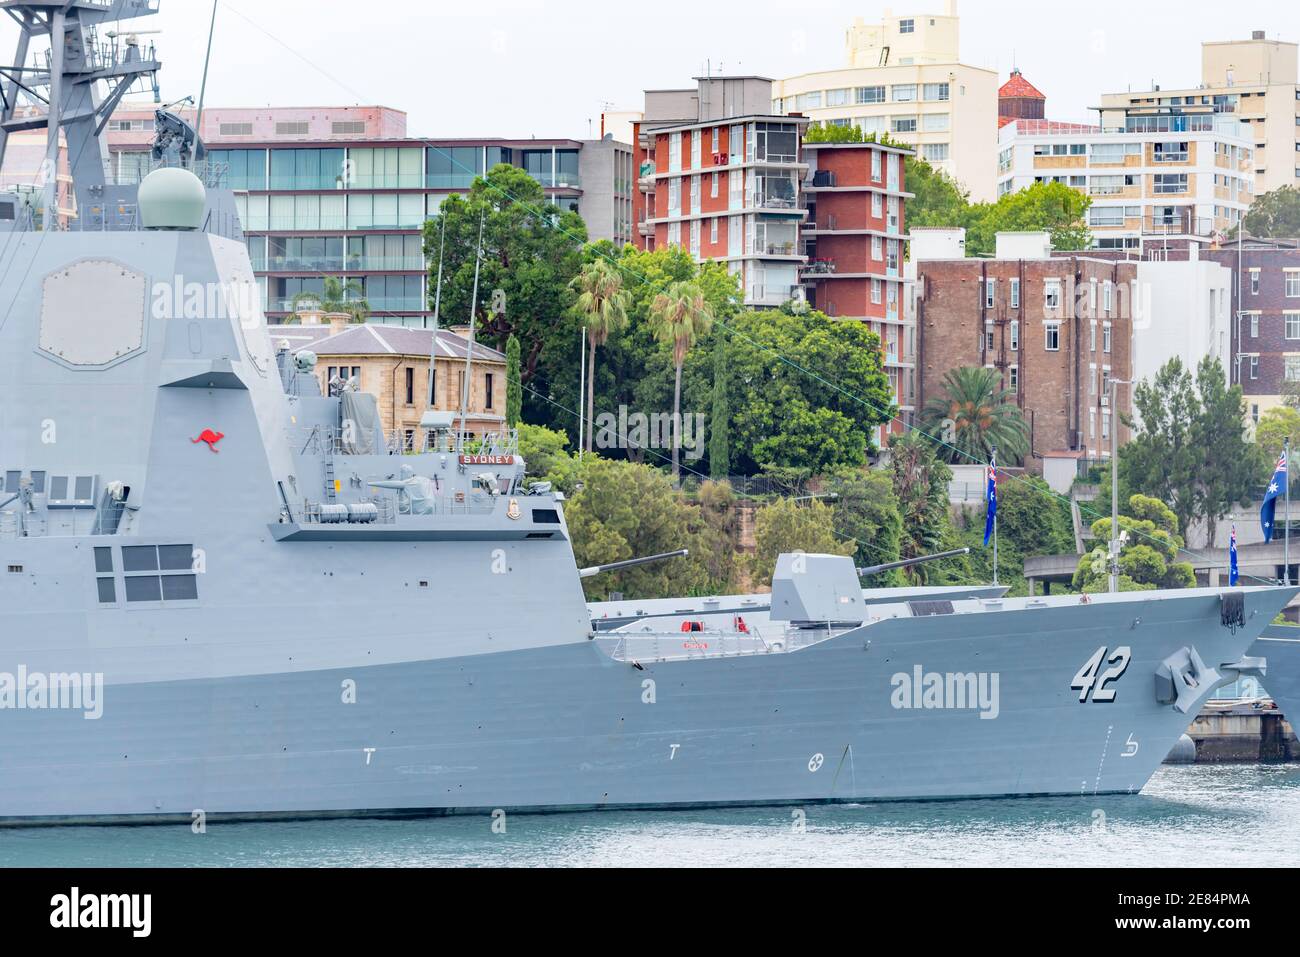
1232 556
1276 487
991 495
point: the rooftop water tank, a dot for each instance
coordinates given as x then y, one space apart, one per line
171 198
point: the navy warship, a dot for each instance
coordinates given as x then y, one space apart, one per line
1280 646
226 592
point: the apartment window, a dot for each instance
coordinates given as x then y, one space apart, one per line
1052 293
697 138
1105 425
990 293
1092 423
809 101
875 291
1254 367
675 196
1170 152
1105 153
988 337
934 152
713 230
1013 380
877 205
1105 337
713 186
875 166
674 152
1254 282
838 97
1170 183
902 124
870 94
877 248
1052 336
1254 326
1092 336
1292 283
1107 296
1092 379
935 123
903 92
695 238
410 386
907 26
487 389
695 194
893 213
713 139
934 91
1015 335
1292 320
891 256
1292 369
1015 294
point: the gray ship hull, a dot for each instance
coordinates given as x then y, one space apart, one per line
1280 644
568 726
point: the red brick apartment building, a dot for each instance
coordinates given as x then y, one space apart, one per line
853 238
1057 328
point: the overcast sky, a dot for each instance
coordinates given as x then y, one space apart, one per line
546 68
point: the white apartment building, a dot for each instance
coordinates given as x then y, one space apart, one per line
1166 180
903 79
1254 80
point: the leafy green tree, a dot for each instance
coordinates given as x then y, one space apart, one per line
531 252
514 388
937 198
1276 425
1275 214
810 390
625 510
720 421
829 133
920 483
865 508
1190 449
789 526
1148 557
973 414
1054 207
679 316
717 540
543 451
602 308
337 295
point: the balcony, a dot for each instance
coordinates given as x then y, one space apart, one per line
313 264
761 294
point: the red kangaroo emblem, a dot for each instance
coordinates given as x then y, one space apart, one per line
212 438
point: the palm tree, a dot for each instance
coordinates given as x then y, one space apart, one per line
338 295
973 414
679 316
602 306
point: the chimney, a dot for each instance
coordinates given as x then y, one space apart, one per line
310 317
338 321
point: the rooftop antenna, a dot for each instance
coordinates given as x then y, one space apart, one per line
469 341
203 86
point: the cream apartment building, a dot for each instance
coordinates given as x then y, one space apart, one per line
1253 80
903 78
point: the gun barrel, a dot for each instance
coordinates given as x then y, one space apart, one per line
628 563
909 562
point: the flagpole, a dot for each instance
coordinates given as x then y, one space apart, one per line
993 464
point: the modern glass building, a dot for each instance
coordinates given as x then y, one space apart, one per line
321 195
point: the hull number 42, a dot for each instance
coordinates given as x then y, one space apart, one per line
1091 677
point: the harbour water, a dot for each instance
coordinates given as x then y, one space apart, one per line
1216 815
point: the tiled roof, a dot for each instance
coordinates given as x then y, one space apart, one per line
1019 86
367 338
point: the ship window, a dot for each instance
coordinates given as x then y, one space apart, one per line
546 516
175 556
38 483
143 588
179 587
85 488
139 558
107 591
103 560
11 481
58 488
7 210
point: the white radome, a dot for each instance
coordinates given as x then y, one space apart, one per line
171 198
